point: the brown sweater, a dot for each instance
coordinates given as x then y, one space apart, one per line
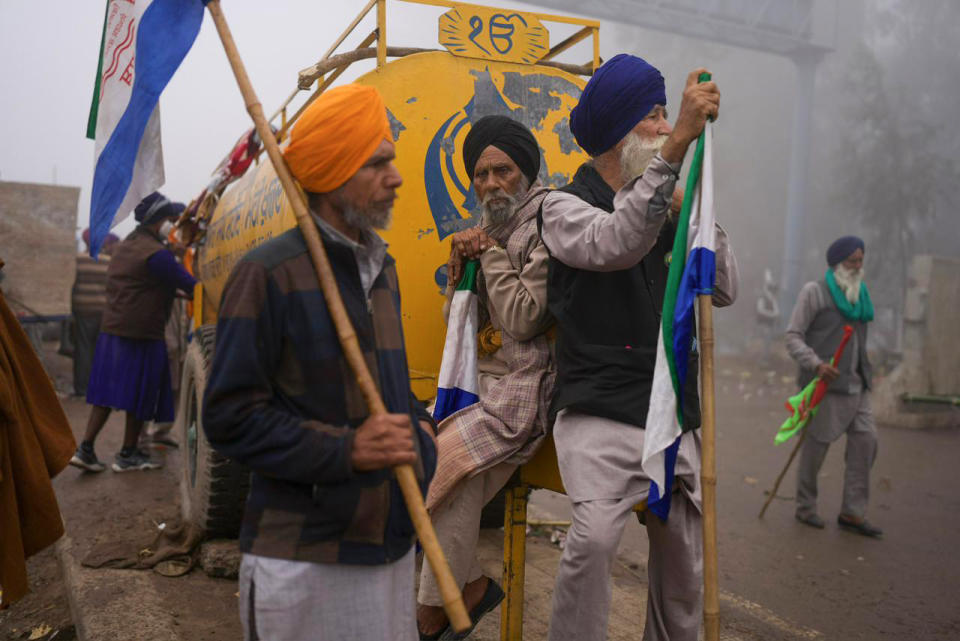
138 304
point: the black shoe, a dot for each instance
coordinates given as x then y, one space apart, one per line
136 460
492 597
862 526
87 460
812 520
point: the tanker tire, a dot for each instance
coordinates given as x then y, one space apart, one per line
213 488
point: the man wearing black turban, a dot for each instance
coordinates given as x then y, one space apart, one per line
507 135
823 309
481 445
610 235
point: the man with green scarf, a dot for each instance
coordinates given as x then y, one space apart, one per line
816 327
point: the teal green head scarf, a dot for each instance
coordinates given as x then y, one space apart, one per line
862 311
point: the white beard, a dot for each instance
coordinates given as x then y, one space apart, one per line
637 153
849 282
498 206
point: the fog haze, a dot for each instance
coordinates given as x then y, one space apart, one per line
883 153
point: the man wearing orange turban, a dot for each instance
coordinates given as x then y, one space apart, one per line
327 540
335 136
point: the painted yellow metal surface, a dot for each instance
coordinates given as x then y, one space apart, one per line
432 98
250 212
493 34
514 562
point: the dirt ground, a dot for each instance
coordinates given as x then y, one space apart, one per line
778 579
45 611
122 509
125 510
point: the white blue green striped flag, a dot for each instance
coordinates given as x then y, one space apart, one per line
692 272
143 43
457 385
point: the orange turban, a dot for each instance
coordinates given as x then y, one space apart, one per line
335 136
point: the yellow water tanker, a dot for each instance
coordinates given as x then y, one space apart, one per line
496 63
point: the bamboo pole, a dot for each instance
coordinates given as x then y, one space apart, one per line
557 49
708 473
346 32
452 601
311 74
595 63
323 86
381 33
776 485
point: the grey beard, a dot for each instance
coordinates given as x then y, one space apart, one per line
637 153
367 219
849 282
495 211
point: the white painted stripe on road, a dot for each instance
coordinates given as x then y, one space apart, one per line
751 609
754 610
761 613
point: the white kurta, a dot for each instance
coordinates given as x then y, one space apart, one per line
282 600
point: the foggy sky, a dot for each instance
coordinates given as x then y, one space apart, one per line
49 68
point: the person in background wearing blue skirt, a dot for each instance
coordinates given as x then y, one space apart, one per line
130 371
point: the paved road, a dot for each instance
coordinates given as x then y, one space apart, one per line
842 585
779 579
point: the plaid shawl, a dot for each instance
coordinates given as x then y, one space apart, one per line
510 421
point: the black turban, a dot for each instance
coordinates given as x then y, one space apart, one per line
156 207
507 135
842 248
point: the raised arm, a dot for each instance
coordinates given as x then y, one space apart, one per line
586 237
164 266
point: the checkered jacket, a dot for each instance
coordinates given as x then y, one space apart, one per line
281 400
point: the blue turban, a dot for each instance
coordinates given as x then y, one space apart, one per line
155 207
619 95
842 248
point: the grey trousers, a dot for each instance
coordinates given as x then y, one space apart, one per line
861 451
581 598
457 523
600 464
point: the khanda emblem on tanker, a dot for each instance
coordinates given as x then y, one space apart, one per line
542 102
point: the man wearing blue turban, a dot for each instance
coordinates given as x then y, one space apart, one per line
823 308
610 233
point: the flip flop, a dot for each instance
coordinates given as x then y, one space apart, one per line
435 636
492 597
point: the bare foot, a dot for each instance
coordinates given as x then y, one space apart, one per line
431 619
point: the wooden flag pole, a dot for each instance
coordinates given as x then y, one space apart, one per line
708 472
449 590
776 485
